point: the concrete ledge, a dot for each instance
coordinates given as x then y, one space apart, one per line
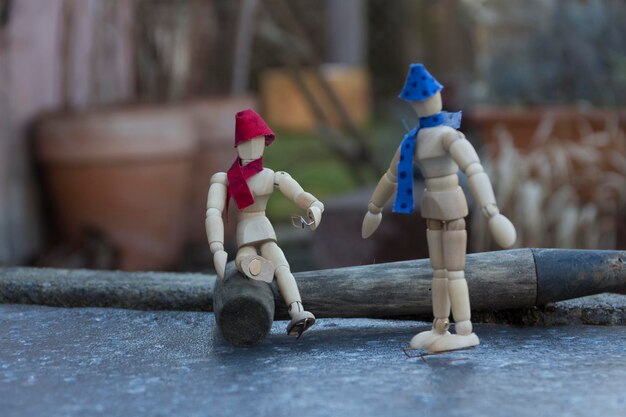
75 362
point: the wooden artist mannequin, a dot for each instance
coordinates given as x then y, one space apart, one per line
440 150
254 231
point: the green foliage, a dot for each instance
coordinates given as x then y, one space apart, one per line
308 161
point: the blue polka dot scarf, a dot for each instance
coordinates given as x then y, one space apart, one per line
404 194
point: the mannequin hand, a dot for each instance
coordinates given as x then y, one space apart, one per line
371 222
219 262
315 215
502 230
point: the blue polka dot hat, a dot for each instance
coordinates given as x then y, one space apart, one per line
419 85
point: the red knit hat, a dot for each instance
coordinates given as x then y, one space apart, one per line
249 125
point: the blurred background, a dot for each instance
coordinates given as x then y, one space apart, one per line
114 114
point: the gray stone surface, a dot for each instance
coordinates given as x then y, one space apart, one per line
91 361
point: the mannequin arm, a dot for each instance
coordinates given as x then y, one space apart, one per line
294 192
464 154
214 224
383 192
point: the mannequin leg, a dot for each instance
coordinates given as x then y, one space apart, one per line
439 288
242 253
301 319
454 248
253 266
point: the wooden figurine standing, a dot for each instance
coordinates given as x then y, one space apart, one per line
250 185
439 150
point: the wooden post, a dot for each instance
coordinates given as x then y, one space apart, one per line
244 308
497 281
501 280
346 31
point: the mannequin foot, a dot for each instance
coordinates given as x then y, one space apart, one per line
424 339
454 342
301 320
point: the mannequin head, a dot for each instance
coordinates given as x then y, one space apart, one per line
428 107
251 149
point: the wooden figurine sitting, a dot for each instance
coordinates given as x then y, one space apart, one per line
439 150
251 185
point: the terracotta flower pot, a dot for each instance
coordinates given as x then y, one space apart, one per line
124 173
214 121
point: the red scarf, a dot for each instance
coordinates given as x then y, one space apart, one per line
237 186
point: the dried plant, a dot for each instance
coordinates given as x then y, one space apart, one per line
174 45
565 193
